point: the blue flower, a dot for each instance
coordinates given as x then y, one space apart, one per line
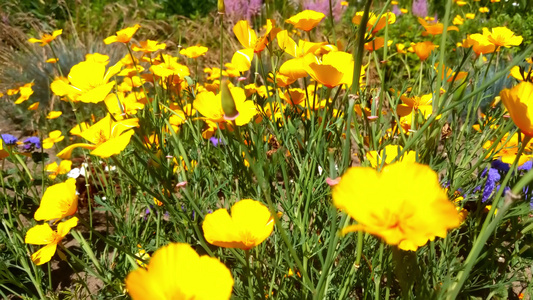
493 176
9 139
31 143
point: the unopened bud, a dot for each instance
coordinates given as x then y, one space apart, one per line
228 104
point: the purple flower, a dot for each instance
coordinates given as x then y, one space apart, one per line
420 8
493 176
526 166
500 166
323 7
32 143
396 10
242 9
9 139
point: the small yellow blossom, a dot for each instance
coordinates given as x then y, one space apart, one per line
122 36
54 114
53 137
194 51
46 38
44 235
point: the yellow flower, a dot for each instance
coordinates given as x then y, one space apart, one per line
403 204
46 38
52 60
424 49
435 28
25 92
87 82
522 74
470 16
176 271
63 168
458 20
44 235
374 24
249 225
502 37
59 201
141 254
169 67
148 46
480 44
306 20
120 106
53 137
449 75
483 9
194 51
248 38
334 69
123 36
107 137
293 96
518 101
294 68
54 114
389 153
210 106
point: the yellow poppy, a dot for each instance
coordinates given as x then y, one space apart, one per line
502 37
107 137
210 106
122 36
248 38
194 51
54 114
335 68
169 67
53 137
148 46
44 235
54 169
87 82
249 225
517 100
25 92
59 201
34 106
46 38
374 24
389 153
306 20
480 44
406 215
176 271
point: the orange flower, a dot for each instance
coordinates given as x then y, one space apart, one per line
306 20
46 38
123 36
435 28
480 44
377 43
374 24
335 68
518 101
424 49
